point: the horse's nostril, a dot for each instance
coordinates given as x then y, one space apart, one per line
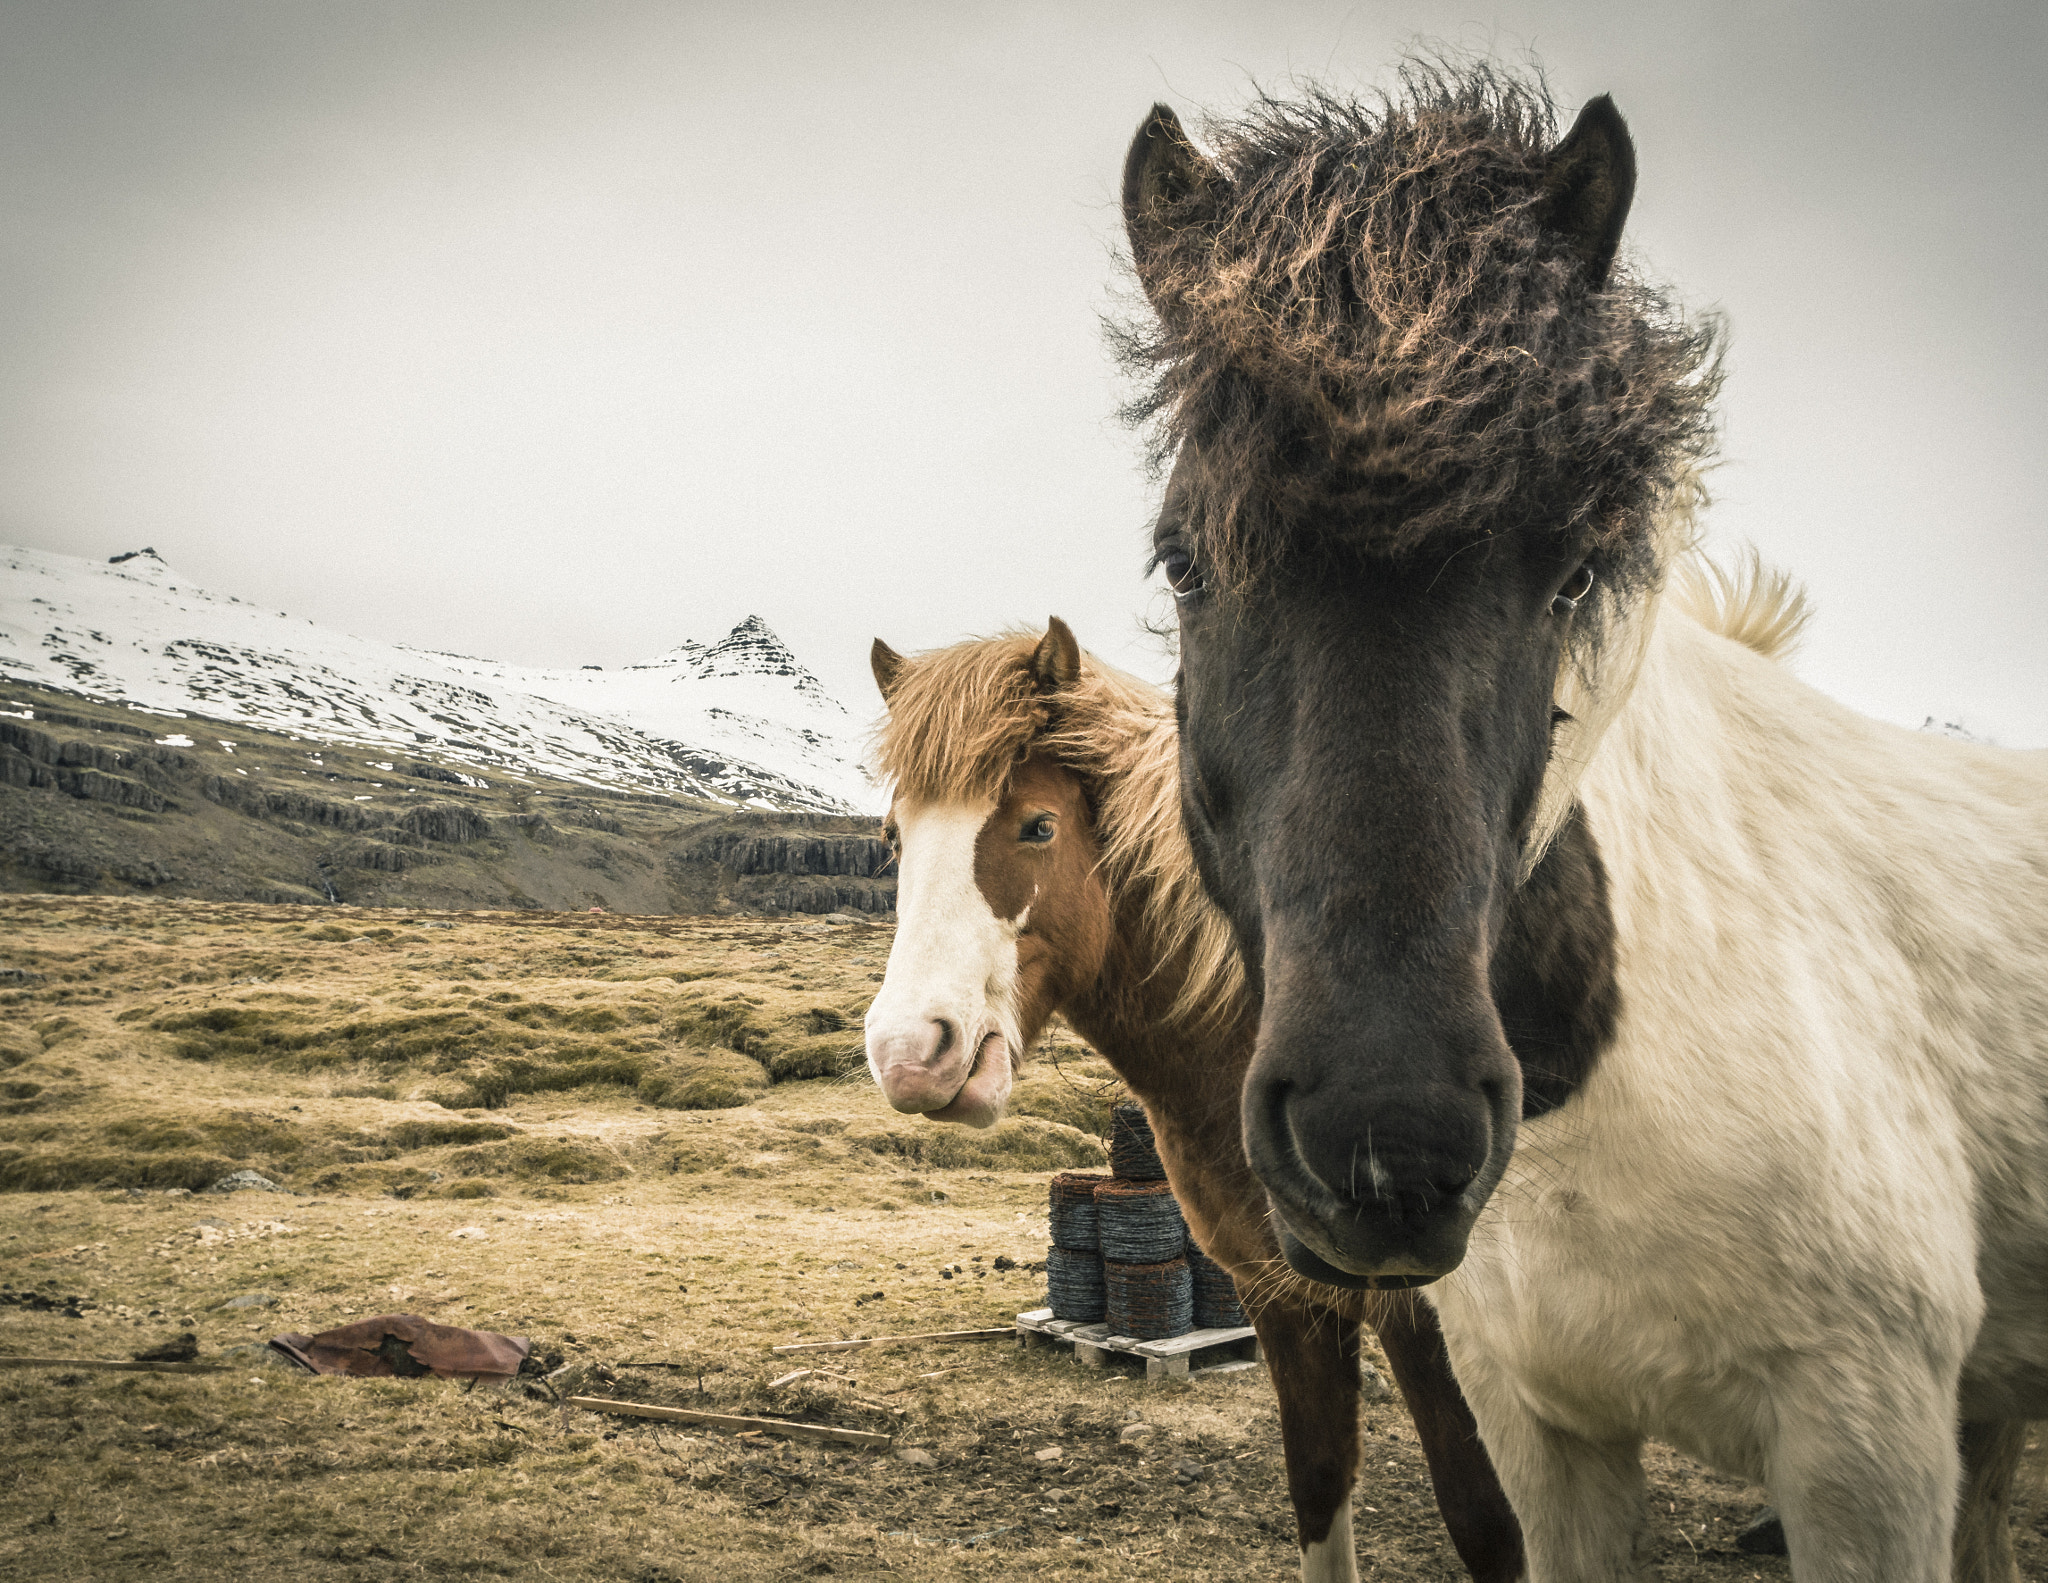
946 1036
1273 1103
1412 1203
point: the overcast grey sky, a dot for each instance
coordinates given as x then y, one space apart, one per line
560 332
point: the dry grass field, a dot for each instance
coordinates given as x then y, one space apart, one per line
648 1144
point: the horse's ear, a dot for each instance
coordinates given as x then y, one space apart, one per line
1056 663
1588 184
1168 186
887 665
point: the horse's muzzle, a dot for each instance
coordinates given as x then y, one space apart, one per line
927 1069
1369 1195
1314 1267
918 1067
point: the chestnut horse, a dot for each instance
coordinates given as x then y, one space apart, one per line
1688 1032
1043 869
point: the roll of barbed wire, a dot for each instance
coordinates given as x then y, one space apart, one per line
1073 1285
1150 1301
1216 1304
1139 1222
1073 1210
1133 1155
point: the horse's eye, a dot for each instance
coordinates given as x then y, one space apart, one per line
1181 575
1576 587
1040 830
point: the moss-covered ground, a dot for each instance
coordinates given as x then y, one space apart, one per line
648 1144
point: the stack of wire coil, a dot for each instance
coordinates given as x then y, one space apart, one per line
1133 1156
1150 1289
1073 1266
1150 1301
1139 1223
1120 1248
1216 1303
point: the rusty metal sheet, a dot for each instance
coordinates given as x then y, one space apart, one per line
407 1346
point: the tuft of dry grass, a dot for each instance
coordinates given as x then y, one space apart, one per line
658 1253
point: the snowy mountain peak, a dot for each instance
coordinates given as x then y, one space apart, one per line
144 563
753 649
739 720
751 629
749 651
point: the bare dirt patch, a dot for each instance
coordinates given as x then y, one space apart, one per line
659 1251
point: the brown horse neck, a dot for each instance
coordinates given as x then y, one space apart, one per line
1130 1013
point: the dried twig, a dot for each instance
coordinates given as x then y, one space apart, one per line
773 1426
117 1365
1004 1333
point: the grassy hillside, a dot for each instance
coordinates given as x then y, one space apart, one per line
96 798
416 1047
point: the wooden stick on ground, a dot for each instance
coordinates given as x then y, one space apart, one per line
117 1365
842 1379
1005 1333
773 1426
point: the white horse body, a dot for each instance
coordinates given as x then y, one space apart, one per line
1796 1220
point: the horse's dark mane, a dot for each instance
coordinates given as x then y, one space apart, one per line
1370 336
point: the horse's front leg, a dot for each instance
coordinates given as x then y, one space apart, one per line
1475 1509
1864 1469
1583 1502
1313 1360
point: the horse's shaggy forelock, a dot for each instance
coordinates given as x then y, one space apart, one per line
962 718
1370 337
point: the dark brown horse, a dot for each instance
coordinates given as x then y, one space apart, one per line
1687 1034
1043 870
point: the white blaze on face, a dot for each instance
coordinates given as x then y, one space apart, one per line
943 1032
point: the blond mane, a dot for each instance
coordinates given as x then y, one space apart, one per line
1761 607
961 718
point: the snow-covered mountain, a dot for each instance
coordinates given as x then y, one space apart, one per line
738 720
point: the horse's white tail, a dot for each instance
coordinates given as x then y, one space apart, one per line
1759 606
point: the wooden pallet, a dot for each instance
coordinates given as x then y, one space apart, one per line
1172 1358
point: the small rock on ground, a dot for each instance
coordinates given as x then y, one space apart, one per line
245 1181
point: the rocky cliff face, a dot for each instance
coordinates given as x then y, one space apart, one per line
125 776
90 802
796 863
864 856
